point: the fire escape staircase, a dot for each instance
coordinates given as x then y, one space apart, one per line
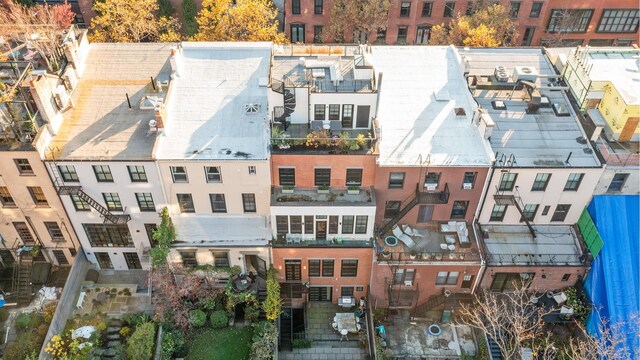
514 199
418 197
282 114
22 271
454 300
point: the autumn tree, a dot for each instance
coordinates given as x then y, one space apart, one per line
131 21
241 20
489 26
38 26
163 236
357 17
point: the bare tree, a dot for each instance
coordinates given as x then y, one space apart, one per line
610 343
563 21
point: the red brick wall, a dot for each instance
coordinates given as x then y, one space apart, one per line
305 164
453 176
553 275
364 256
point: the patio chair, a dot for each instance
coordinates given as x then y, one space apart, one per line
443 246
288 238
406 239
335 326
297 238
411 232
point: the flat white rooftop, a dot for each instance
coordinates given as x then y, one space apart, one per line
538 139
620 66
206 230
217 108
421 88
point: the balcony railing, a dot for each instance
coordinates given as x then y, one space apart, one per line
284 241
444 256
302 138
536 259
280 196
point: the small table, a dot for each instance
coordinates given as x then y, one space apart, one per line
241 283
101 297
346 321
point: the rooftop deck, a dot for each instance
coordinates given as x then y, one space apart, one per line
310 139
19 119
318 197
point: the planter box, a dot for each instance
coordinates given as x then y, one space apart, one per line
353 192
287 191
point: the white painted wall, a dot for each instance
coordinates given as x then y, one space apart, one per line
344 98
553 195
369 211
302 106
236 255
630 187
126 189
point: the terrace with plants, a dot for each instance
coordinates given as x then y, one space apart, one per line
303 138
19 119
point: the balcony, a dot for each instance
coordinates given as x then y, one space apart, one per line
309 241
316 197
314 139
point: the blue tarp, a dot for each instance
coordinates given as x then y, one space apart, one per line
612 283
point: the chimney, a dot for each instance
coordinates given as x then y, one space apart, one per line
160 116
174 60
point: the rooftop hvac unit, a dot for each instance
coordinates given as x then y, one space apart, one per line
61 99
500 73
527 73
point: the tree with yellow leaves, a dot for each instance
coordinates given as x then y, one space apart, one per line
131 21
358 17
490 26
241 20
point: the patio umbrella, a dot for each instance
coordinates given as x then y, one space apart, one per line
83 332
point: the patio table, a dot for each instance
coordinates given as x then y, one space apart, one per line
346 321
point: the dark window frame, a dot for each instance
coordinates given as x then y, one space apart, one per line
287 176
213 174
395 183
348 224
362 222
449 9
112 201
536 9
579 25
630 21
353 177
54 230
541 181
79 204
619 183
309 223
220 259
24 167
297 29
334 220
218 203
498 215
403 34
185 203
427 9
349 268
459 212
38 196
322 176
5 197
24 233
514 9
448 279
318 7
572 183
108 235
293 269
319 112
391 208
103 173
68 173
295 7
334 112
560 213
137 173
145 199
405 9
507 184
531 214
295 224
249 203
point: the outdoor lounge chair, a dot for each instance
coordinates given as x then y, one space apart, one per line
406 239
409 231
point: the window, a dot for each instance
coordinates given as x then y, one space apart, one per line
287 176
334 112
5 197
292 270
515 9
511 281
295 7
561 212
54 231
467 281
459 210
349 268
297 33
218 203
402 34
346 291
573 182
179 174
318 7
402 275
391 209
37 195
381 36
469 180
541 181
188 259
566 277
150 229
327 268
354 177
619 21
322 177
569 20
112 200
318 268
145 202
422 34
252 169
24 232
295 221
529 212
220 259
347 116
405 9
426 9
498 212
536 9
108 235
103 173
396 180
347 224
447 278
249 203
319 112
317 35
314 268
68 173
528 35
282 224
137 173
449 6
309 224
617 183
361 224
431 179
24 168
185 201
104 261
507 182
333 224
80 204
213 174
545 210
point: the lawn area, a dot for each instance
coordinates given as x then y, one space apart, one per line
220 344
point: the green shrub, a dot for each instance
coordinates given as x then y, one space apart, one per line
265 337
301 344
4 314
189 15
219 319
164 8
140 344
27 321
172 343
135 319
22 347
272 306
197 318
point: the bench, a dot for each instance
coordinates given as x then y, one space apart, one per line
81 298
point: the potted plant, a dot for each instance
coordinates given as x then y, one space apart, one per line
324 189
353 190
413 254
287 189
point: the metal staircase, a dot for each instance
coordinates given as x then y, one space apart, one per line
22 271
453 300
282 114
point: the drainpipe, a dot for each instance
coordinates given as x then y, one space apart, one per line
485 192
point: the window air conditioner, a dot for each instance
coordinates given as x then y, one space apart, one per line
431 187
408 283
467 186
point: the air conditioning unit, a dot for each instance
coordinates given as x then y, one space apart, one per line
467 186
61 99
431 187
500 72
527 73
408 283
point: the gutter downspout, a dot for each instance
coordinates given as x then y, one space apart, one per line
485 192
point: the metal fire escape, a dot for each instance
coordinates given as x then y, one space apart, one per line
282 114
501 198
